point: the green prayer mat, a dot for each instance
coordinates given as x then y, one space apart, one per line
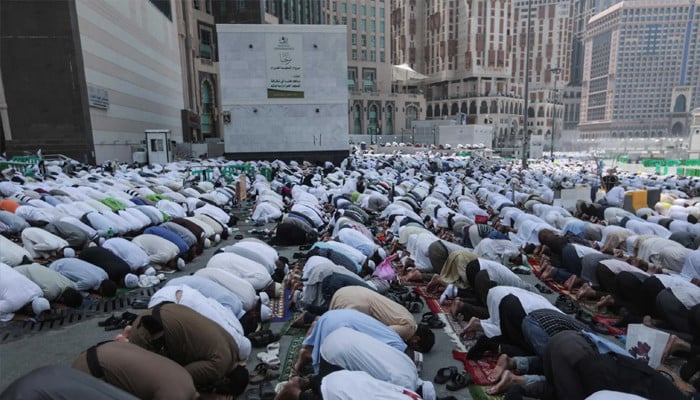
479 393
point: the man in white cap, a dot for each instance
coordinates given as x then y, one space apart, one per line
18 294
253 272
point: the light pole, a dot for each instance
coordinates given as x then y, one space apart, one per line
555 71
526 128
434 137
413 138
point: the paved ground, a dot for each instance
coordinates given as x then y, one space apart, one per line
61 345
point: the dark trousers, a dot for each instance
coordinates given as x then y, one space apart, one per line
670 309
478 309
326 368
606 278
565 350
637 294
512 313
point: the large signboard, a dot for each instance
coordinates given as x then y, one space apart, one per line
285 74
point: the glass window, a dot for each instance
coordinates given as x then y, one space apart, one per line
381 26
363 55
343 7
381 56
381 13
372 11
354 24
364 40
354 8
344 20
381 42
363 10
335 6
372 26
372 56
363 25
354 54
354 38
372 41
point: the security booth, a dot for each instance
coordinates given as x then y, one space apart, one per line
159 148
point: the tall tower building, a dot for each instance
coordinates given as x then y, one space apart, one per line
641 76
375 109
466 50
550 57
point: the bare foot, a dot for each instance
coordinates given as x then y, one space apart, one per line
414 275
504 363
299 321
124 336
508 380
585 292
473 326
546 272
455 306
569 283
604 302
673 345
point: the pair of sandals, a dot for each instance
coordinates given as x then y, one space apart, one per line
454 379
543 288
271 356
263 338
264 372
566 305
113 323
432 321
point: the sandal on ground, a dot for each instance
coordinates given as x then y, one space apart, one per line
459 381
109 321
262 338
520 270
415 306
543 288
274 348
445 375
432 321
258 374
267 391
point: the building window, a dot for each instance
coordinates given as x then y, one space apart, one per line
372 26
344 7
364 40
157 145
363 55
389 121
335 6
363 10
354 8
373 118
363 25
372 11
381 13
381 42
344 20
196 4
357 120
381 26
372 56
205 45
352 78
354 54
372 41
354 38
354 24
381 57
207 6
207 107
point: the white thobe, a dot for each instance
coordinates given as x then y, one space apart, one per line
40 243
253 272
16 291
238 286
530 302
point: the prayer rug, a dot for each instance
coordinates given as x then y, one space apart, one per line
290 359
478 369
280 308
433 302
289 330
479 393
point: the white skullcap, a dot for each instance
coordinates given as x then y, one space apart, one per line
265 313
40 305
264 298
131 281
371 265
217 238
381 252
68 252
207 243
180 264
150 271
102 240
428 391
92 244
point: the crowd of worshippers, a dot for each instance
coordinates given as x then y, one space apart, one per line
367 230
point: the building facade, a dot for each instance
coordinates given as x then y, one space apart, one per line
200 77
641 77
302 12
91 78
380 108
467 51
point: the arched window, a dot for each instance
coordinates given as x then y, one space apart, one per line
494 107
411 115
472 108
463 109
444 110
531 112
389 121
677 129
484 108
357 120
540 112
205 116
429 112
437 110
680 104
455 109
373 118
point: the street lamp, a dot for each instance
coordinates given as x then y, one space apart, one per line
526 128
555 71
434 137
